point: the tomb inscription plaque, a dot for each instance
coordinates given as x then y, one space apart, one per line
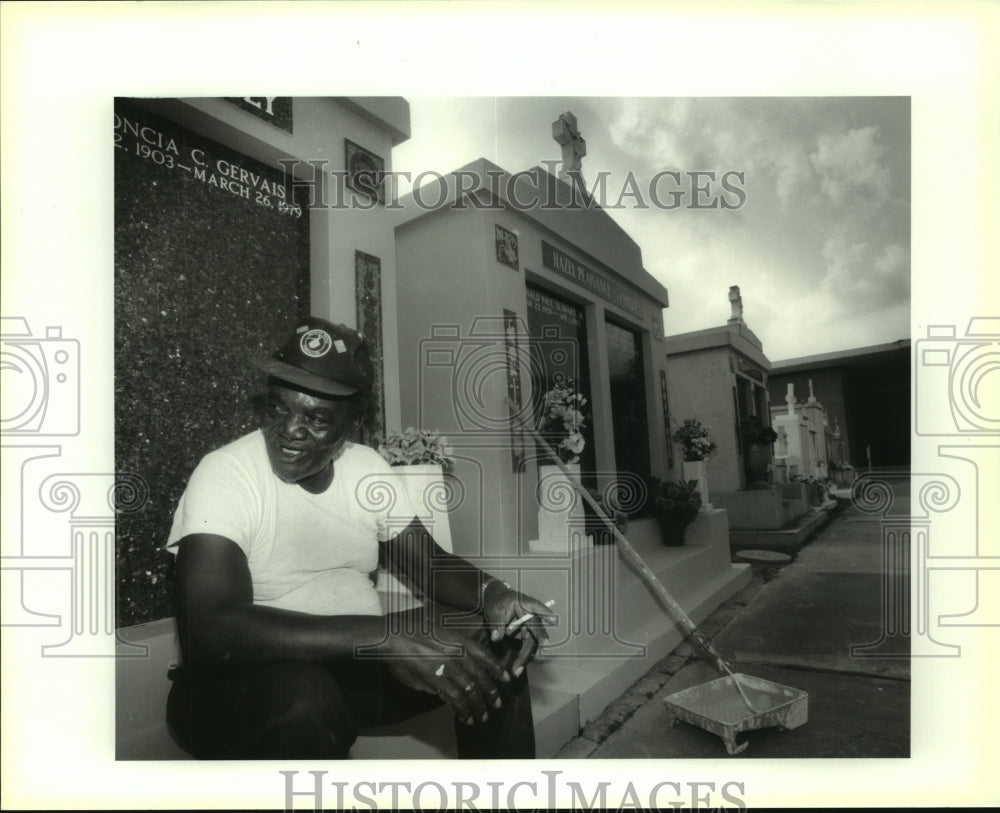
593 281
211 269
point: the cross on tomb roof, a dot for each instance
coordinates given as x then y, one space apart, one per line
566 134
790 398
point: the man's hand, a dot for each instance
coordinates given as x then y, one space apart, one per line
441 660
502 606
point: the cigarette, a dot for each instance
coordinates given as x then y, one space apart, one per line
517 622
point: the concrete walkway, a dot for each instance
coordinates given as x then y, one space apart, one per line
793 625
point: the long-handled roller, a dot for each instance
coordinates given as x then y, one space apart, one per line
704 706
643 570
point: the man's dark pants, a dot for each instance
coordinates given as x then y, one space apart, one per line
297 710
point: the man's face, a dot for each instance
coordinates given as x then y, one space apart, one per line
303 433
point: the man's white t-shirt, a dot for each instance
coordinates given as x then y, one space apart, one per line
314 553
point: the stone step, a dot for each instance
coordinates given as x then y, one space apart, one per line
590 684
680 570
599 596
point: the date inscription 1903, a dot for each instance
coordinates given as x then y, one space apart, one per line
152 144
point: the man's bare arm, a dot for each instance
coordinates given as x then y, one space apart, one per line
219 625
221 629
442 576
455 582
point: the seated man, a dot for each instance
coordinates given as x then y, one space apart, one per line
286 649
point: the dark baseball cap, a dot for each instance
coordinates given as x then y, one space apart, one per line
323 357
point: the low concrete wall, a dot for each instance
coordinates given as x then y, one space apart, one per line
141 688
763 509
751 509
796 498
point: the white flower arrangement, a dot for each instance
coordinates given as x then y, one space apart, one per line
695 440
562 417
413 447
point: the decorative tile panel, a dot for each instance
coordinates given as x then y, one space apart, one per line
666 418
365 171
368 289
506 247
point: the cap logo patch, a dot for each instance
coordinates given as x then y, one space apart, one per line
315 343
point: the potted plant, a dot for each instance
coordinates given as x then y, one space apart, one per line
846 474
416 447
757 439
561 422
422 459
841 472
696 445
816 488
834 468
757 433
675 504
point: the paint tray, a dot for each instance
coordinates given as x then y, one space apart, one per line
717 707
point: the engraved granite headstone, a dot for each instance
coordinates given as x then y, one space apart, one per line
211 270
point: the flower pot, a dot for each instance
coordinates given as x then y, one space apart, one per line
817 493
758 458
672 531
698 470
560 509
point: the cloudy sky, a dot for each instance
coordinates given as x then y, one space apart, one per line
821 246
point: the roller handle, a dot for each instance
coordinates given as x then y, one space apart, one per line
640 566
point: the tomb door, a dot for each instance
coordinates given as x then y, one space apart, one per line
628 401
558 333
760 404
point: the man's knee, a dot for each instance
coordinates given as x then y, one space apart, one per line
310 716
283 711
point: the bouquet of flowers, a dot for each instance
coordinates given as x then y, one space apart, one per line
694 440
414 447
818 488
757 433
562 418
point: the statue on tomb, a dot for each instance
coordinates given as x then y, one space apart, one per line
782 442
736 301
